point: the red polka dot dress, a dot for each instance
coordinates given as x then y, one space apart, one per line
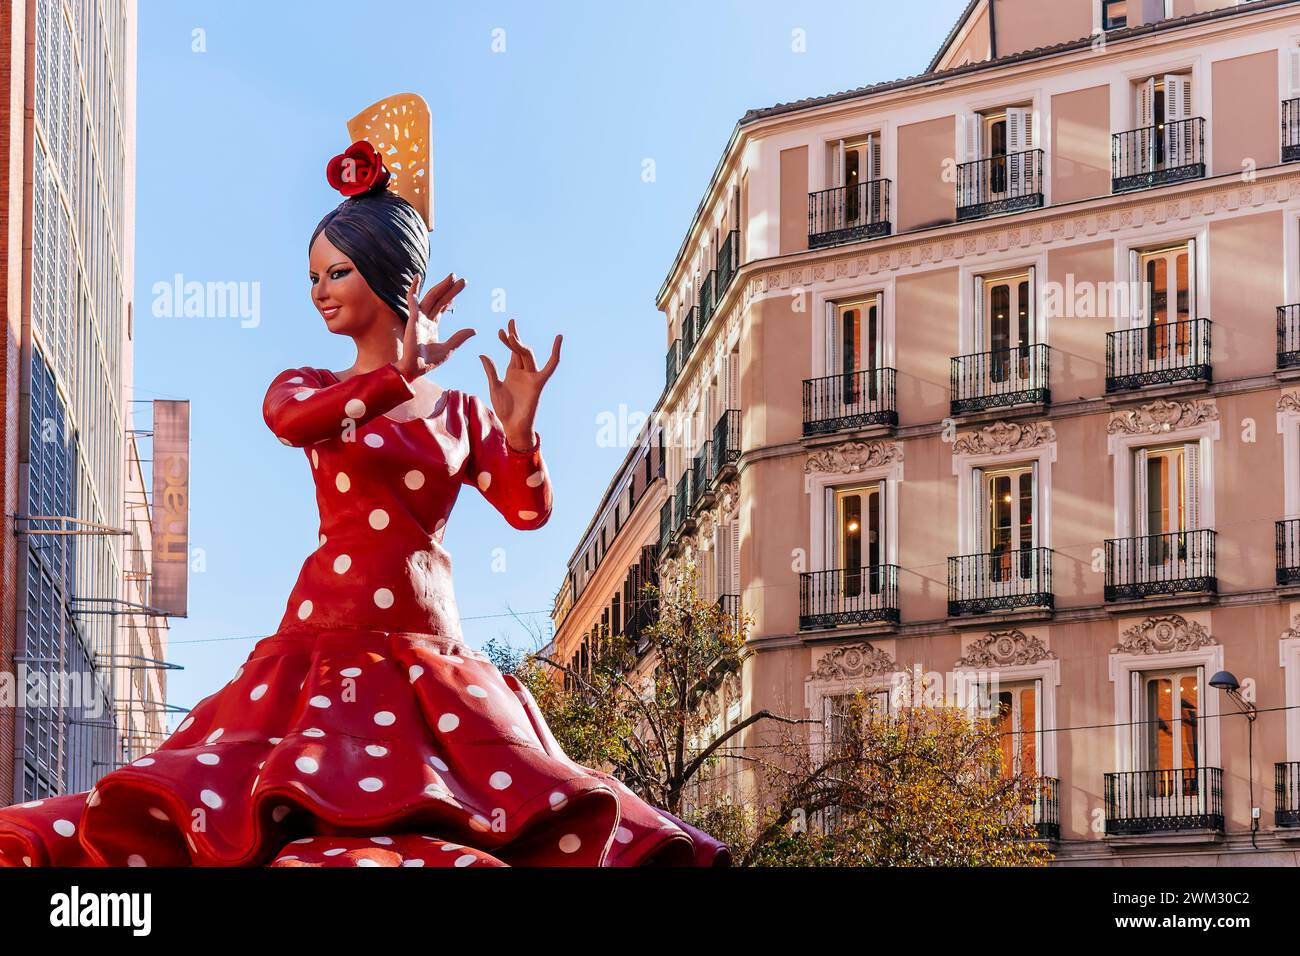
364 732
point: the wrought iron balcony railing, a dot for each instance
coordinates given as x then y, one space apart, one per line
1000 379
848 213
666 527
1288 551
702 476
1002 580
1177 562
682 497
1162 354
726 444
729 604
1156 801
1288 336
728 262
1286 789
674 362
1000 184
853 596
1158 155
1290 131
690 333
849 400
1039 806
708 300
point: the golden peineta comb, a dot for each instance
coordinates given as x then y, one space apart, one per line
400 127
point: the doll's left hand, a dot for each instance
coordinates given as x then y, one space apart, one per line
515 399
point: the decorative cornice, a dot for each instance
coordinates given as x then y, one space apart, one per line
852 456
1003 437
1162 416
854 662
1164 634
1004 649
1289 402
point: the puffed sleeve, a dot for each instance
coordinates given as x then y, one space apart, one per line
302 409
515 482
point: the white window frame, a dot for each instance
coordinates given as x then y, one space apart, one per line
1123 666
1048 674
1288 426
1158 239
971 280
816 692
823 302
1122 449
1289 657
818 487
968 503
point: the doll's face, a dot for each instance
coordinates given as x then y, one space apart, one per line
343 298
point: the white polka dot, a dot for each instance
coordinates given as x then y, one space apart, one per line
304 610
379 519
449 847
215 735
484 479
296 380
466 859
289 857
274 740
302 394
480 823
27 861
569 843
527 515
382 841
322 541
500 780
376 751
413 862
535 479
307 764
157 813
313 732
558 800
320 700
448 722
315 458
257 692
279 813
385 718
453 659
33 804
144 762
211 798
351 672
302 841
185 724
475 691
623 835
370 784
374 441
438 764
335 851
383 598
342 482
415 480
355 408
208 760
366 861
342 563
135 859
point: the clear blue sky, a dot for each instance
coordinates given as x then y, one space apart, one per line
538 154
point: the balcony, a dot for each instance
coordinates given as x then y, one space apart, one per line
848 597
1001 379
674 362
1000 184
1158 155
1164 354
702 478
666 527
1039 806
690 332
728 262
683 519
1002 580
1163 801
1290 131
729 604
849 401
1286 810
726 445
1178 562
1288 552
848 214
1288 336
708 300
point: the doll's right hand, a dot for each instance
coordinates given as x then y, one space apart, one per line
419 357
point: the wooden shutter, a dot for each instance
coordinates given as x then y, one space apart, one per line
733 564
832 530
873 156
978 315
980 540
1138 716
833 361
1144 107
1179 150
1293 69
1192 483
1137 290
1191 284
1032 306
837 165
733 382
1034 509
1141 524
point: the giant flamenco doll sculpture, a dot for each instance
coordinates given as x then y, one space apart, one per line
364 732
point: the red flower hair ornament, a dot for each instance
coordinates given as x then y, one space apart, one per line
357 170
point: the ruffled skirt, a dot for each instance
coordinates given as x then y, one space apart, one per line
356 748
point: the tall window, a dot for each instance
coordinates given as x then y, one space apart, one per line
1168 732
854 164
1019 726
1167 499
1008 532
1161 104
856 541
854 345
1005 326
1167 300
